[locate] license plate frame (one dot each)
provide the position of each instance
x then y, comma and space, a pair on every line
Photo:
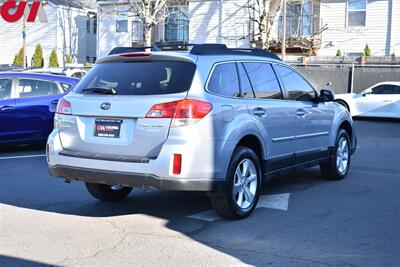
108, 128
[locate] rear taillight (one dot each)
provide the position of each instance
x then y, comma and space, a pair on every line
183, 112
177, 164
64, 107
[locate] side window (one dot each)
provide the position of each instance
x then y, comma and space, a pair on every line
396, 89
244, 82
224, 80
263, 80
383, 89
295, 85
65, 86
5, 88
33, 87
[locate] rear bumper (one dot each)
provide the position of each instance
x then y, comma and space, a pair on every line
134, 179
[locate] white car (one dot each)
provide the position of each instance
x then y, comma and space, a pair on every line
380, 100
69, 72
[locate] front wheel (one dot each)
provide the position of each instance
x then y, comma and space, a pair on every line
338, 166
240, 197
108, 192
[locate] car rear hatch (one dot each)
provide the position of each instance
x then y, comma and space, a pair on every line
110, 104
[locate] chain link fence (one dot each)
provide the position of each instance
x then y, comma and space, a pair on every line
347, 78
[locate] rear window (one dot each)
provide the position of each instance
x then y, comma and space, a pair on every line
140, 78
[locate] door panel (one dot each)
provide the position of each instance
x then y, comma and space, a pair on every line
35, 108
274, 116
7, 110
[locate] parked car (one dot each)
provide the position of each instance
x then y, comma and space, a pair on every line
213, 119
27, 105
69, 72
379, 100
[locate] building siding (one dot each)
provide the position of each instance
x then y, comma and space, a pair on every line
376, 33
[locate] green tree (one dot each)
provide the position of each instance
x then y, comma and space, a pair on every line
68, 59
367, 51
338, 53
53, 62
37, 59
19, 58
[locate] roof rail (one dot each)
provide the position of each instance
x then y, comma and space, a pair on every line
201, 49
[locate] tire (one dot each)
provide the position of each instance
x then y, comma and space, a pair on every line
338, 166
107, 192
239, 188
344, 104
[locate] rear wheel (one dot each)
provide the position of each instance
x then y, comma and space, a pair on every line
240, 196
108, 192
338, 166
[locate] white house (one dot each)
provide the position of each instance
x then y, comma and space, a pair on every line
70, 29
348, 25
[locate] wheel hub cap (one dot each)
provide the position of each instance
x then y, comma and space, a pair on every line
342, 155
245, 184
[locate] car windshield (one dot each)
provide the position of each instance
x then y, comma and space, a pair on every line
139, 78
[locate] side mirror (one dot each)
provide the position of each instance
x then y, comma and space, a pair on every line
326, 96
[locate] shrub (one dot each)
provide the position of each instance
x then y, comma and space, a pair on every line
338, 53
19, 58
367, 51
68, 59
53, 62
37, 59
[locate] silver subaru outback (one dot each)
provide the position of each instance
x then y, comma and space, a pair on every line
213, 119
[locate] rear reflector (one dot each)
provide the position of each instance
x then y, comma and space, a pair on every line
64, 107
177, 164
136, 54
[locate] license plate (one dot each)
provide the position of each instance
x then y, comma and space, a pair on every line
107, 128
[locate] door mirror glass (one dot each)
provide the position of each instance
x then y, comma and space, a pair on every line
326, 96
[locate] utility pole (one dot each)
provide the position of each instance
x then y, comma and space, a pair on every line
24, 40
283, 41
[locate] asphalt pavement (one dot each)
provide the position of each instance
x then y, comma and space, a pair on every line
302, 220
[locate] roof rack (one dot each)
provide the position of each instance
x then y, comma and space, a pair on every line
200, 50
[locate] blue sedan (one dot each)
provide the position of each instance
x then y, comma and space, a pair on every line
27, 105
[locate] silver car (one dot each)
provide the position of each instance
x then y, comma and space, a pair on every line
213, 119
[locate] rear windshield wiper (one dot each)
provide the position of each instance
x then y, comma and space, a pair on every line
101, 90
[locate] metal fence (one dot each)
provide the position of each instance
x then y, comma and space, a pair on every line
344, 78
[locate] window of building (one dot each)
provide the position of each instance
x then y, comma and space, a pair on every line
88, 24
177, 25
137, 31
356, 13
300, 19
94, 24
224, 80
121, 26
263, 80
295, 85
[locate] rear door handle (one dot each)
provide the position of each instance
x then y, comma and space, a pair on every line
301, 113
259, 112
54, 102
5, 108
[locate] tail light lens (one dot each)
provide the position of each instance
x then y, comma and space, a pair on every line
177, 164
64, 107
183, 112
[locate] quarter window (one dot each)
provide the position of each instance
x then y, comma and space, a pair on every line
356, 12
121, 26
5, 89
263, 80
32, 88
295, 85
244, 82
224, 80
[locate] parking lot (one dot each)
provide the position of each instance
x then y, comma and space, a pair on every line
302, 220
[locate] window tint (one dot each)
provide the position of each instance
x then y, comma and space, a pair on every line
385, 89
5, 89
32, 88
263, 80
224, 80
244, 82
295, 85
140, 78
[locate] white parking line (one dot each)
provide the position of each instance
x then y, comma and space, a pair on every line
276, 201
23, 157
